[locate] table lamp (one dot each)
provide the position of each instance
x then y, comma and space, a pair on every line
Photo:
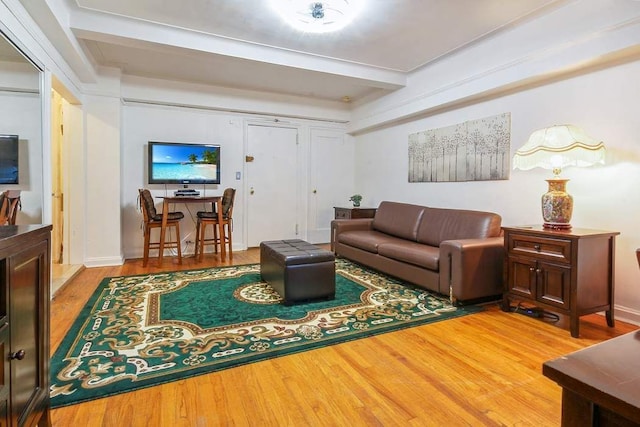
554, 148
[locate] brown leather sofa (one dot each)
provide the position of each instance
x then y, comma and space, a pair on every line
454, 252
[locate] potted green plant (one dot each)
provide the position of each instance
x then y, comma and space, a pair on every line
356, 198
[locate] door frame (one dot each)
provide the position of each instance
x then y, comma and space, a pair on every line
74, 180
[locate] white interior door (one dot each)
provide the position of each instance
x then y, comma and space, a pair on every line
331, 179
273, 183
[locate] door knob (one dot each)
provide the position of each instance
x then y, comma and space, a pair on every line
249, 159
251, 191
17, 355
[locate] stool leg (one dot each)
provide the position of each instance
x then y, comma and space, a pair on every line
195, 248
178, 242
216, 239
203, 228
228, 234
147, 237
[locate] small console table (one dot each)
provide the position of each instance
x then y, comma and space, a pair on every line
188, 199
600, 384
568, 271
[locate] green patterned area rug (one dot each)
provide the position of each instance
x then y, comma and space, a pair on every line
140, 331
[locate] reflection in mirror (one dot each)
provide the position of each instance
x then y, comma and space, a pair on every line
21, 115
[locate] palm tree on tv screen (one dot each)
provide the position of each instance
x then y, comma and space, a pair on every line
210, 156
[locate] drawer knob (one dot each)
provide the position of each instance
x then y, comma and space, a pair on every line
536, 247
17, 355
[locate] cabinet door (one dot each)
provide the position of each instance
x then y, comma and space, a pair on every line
28, 271
4, 374
522, 277
554, 284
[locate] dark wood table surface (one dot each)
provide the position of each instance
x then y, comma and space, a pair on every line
600, 384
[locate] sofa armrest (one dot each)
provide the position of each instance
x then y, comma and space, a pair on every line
471, 268
340, 225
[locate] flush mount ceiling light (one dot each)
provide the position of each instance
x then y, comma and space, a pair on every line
317, 16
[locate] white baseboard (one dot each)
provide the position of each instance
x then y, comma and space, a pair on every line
103, 261
186, 252
626, 314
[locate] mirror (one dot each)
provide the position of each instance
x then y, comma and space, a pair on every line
21, 115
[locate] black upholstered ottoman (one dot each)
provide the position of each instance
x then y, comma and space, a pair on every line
298, 270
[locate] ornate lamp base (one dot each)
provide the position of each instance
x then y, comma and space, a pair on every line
557, 205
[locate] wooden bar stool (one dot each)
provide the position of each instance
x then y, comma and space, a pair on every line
212, 218
152, 219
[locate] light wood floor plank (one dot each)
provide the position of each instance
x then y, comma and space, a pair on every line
481, 369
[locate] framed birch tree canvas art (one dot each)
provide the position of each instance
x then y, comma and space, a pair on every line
476, 150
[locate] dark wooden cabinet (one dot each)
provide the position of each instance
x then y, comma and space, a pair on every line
567, 271
353, 213
24, 325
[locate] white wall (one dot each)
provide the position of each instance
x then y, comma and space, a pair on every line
102, 203
143, 123
147, 122
604, 103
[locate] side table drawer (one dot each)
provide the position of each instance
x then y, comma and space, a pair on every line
343, 214
558, 250
354, 213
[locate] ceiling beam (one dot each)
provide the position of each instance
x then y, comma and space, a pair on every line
98, 26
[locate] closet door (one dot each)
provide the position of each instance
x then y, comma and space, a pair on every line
331, 179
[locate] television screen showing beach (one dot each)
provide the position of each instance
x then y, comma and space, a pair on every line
185, 162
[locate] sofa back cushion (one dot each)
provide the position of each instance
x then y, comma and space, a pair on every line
439, 225
398, 219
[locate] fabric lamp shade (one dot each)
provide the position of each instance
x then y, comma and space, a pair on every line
557, 147
554, 148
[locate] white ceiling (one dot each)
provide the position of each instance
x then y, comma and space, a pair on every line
9, 53
244, 44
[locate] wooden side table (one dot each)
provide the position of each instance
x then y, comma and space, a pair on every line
567, 271
600, 385
353, 213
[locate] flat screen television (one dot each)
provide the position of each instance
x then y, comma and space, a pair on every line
183, 163
9, 165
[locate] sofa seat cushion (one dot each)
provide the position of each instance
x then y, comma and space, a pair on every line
365, 239
412, 253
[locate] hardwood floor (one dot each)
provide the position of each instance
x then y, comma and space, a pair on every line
481, 369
